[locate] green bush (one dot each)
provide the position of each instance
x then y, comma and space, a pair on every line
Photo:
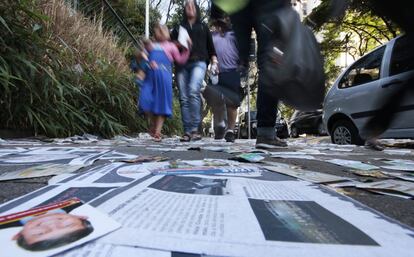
60, 75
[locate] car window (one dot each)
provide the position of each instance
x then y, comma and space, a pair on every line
402, 58
366, 69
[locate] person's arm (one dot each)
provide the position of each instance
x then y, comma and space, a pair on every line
212, 52
180, 58
210, 46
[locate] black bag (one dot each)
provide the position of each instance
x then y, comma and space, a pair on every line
293, 70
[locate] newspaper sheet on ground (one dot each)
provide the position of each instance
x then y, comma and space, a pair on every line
101, 174
390, 186
403, 165
398, 151
230, 216
353, 164
49, 169
248, 157
307, 175
57, 150
68, 158
50, 229
56, 193
403, 176
8, 151
96, 249
108, 250
370, 173
293, 156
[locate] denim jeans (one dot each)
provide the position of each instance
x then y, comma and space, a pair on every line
190, 79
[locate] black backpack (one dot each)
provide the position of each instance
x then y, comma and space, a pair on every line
299, 79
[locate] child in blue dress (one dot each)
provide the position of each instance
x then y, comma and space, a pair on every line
156, 93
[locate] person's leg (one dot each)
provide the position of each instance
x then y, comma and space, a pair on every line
266, 114
215, 100
183, 88
197, 73
242, 22
231, 117
151, 125
231, 122
159, 122
266, 104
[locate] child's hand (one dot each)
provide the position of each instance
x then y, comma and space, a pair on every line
144, 56
153, 65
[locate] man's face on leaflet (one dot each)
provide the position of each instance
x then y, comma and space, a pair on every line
50, 226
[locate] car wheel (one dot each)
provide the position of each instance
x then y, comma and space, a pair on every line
345, 133
294, 132
321, 129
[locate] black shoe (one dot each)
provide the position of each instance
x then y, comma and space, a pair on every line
219, 132
229, 136
269, 143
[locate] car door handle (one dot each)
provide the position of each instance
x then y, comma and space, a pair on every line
392, 82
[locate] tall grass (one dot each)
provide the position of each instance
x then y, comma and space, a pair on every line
60, 74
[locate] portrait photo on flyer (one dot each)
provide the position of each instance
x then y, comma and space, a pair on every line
51, 229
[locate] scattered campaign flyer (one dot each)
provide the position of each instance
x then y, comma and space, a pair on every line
205, 170
232, 216
390, 185
68, 158
145, 158
311, 176
403, 176
51, 229
96, 249
49, 169
353, 164
402, 165
249, 157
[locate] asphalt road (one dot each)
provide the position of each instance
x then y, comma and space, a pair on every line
397, 208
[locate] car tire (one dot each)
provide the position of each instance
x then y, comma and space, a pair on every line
344, 132
294, 132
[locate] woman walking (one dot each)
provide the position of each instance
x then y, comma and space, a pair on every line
225, 97
191, 75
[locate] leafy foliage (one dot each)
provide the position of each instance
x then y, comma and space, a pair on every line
357, 32
132, 13
61, 75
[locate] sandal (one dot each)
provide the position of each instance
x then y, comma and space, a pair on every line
186, 138
157, 138
195, 136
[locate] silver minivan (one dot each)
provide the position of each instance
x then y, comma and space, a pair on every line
358, 92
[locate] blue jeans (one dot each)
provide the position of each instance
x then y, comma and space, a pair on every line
190, 79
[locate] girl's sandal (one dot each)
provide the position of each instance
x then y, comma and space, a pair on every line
186, 138
157, 138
